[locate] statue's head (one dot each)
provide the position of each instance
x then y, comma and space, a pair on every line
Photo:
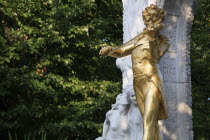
122, 99
152, 15
132, 97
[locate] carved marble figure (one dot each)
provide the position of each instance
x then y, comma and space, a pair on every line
146, 50
115, 125
134, 118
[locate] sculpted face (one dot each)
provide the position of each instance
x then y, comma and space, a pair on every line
121, 99
133, 97
152, 14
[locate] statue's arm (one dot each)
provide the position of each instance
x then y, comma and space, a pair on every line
105, 127
164, 45
158, 46
126, 49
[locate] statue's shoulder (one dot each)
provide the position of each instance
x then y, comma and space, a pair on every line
141, 37
109, 113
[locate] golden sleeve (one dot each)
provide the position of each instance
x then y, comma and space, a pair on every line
163, 45
124, 50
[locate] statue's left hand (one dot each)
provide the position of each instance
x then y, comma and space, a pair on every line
153, 31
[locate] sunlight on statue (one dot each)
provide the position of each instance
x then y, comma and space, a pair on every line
147, 49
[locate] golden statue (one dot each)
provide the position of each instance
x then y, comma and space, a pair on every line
147, 49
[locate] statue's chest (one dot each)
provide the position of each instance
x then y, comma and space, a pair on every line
142, 51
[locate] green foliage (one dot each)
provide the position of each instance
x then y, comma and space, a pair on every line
51, 77
30, 136
201, 70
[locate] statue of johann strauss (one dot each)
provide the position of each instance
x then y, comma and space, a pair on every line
147, 49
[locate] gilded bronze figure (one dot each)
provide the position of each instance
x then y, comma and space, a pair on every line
147, 49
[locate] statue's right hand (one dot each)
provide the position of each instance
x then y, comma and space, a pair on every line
105, 51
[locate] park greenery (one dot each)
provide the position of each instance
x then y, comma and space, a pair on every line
54, 85
200, 70
52, 78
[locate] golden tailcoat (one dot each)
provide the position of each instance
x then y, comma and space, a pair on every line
146, 53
